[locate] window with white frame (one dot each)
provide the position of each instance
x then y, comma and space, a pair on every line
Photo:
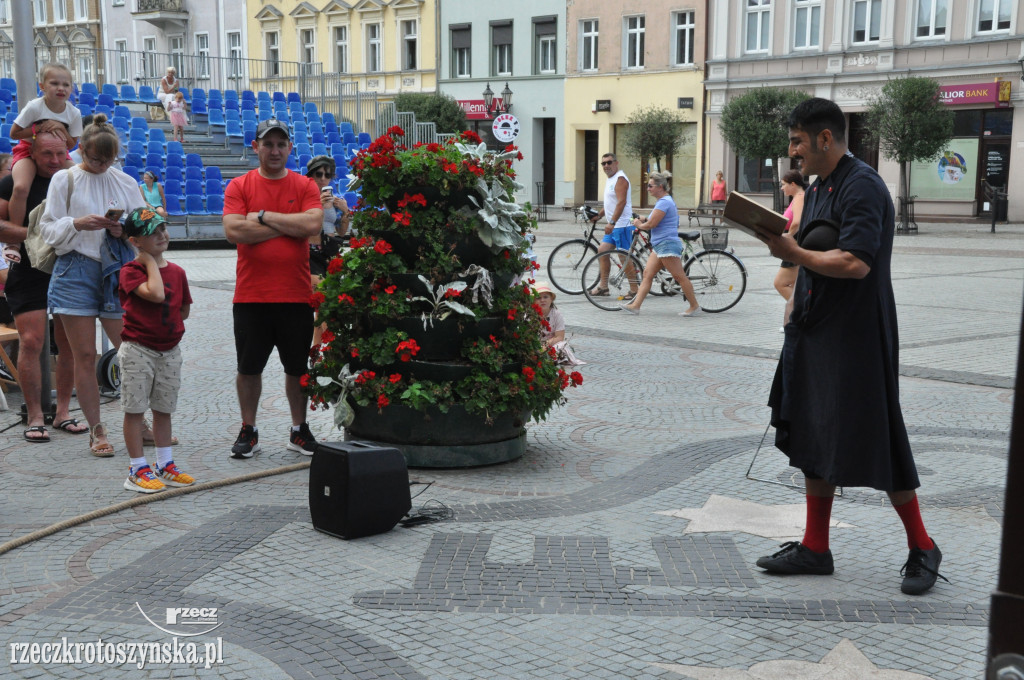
272, 52
176, 46
5, 15
121, 46
588, 44
81, 9
683, 28
636, 27
374, 49
867, 21
60, 11
341, 49
6, 67
931, 18
501, 48
39, 12
235, 53
410, 41
85, 69
202, 42
307, 46
545, 44
758, 25
149, 57
462, 43
807, 31
994, 15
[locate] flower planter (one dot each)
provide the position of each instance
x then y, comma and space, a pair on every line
409, 282
434, 439
443, 341
468, 248
457, 198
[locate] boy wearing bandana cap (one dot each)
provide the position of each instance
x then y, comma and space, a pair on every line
156, 300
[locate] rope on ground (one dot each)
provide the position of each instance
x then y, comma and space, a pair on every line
143, 500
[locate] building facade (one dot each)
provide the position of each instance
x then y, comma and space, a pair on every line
65, 31
621, 57
518, 50
845, 50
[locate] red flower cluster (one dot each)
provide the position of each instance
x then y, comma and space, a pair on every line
407, 349
470, 136
382, 401
452, 293
474, 168
382, 247
577, 378
390, 290
418, 199
317, 299
528, 373
396, 131
394, 377
358, 242
347, 299
327, 336
304, 380
335, 265
364, 376
511, 315
402, 218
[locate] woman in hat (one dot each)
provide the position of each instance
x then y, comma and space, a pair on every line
326, 244
555, 332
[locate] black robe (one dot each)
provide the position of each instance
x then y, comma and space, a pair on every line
835, 398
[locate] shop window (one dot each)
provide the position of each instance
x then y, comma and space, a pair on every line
998, 122
755, 175
966, 123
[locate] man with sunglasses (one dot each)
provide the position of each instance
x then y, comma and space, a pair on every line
618, 232
270, 213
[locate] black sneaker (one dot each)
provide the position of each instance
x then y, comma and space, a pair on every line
796, 558
302, 441
248, 442
921, 570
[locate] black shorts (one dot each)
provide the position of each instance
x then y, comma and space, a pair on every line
262, 326
26, 288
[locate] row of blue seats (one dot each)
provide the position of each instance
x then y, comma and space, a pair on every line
192, 204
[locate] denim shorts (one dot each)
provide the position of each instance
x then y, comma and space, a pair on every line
76, 288
670, 248
621, 237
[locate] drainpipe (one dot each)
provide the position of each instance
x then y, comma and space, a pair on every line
704, 107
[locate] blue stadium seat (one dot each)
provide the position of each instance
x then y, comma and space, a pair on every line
217, 119
231, 105
352, 199
172, 186
303, 161
122, 136
199, 107
173, 172
5, 145
230, 95
9, 84
300, 138
85, 109
157, 171
134, 159
303, 149
247, 106
233, 129
87, 88
262, 96
174, 146
157, 135
309, 107
328, 117
193, 173
291, 164
106, 100
132, 171
140, 122
264, 114
213, 186
121, 123
122, 111
319, 149
278, 97
215, 204
349, 138
248, 96
110, 89
300, 126
248, 115
248, 137
333, 138
138, 135
175, 160
147, 96
338, 150
128, 94
156, 148
193, 160
364, 138
345, 126
317, 138
213, 172
194, 186
194, 205
135, 146
173, 203
294, 97
86, 99
198, 94
155, 160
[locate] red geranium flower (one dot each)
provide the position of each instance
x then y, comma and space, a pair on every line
326, 337
452, 293
382, 247
511, 315
335, 265
470, 136
347, 299
576, 377
396, 131
316, 299
382, 401
407, 349
390, 290
304, 380
528, 373
395, 377
402, 218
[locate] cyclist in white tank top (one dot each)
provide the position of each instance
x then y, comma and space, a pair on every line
617, 213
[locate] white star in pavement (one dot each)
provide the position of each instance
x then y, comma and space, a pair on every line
731, 514
844, 662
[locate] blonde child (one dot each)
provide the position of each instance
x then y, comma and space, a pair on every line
178, 119
53, 112
156, 301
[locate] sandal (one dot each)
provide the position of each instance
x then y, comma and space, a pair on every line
599, 291
70, 423
105, 450
147, 435
37, 428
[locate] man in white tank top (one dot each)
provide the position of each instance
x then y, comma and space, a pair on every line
618, 214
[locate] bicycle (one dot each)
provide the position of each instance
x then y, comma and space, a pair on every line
718, 276
567, 259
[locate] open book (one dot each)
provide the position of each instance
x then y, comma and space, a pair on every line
751, 217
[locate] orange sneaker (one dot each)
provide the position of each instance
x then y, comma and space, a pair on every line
172, 476
143, 481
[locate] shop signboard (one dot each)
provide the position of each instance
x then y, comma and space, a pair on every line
951, 176
474, 108
995, 93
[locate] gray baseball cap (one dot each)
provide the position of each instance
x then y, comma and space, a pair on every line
269, 124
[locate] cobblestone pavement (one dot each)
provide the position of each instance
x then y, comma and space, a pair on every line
620, 546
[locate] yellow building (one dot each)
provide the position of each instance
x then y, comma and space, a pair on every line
383, 46
618, 61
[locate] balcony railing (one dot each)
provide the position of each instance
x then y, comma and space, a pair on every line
161, 6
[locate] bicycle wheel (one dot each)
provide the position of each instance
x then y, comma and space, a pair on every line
624, 274
565, 265
719, 279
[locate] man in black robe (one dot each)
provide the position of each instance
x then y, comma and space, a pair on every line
835, 398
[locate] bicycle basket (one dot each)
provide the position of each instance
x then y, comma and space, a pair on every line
714, 238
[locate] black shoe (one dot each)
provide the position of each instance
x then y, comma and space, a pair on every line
796, 558
248, 442
921, 570
302, 441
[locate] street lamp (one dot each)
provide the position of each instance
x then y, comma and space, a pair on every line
502, 105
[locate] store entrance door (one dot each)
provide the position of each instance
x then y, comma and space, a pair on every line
590, 166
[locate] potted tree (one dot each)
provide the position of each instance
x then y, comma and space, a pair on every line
433, 342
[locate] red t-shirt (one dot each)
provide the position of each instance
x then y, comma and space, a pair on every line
276, 270
155, 325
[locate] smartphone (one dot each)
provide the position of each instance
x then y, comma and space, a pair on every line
114, 214
327, 190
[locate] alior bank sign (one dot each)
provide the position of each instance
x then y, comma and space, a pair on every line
996, 93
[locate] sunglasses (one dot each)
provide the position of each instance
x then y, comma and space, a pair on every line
606, 162
320, 175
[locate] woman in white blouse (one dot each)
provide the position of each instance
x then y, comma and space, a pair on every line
85, 233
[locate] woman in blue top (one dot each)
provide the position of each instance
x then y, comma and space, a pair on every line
153, 194
663, 223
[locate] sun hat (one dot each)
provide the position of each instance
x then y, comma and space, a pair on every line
142, 222
820, 234
539, 288
320, 162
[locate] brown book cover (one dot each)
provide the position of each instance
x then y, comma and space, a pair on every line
746, 214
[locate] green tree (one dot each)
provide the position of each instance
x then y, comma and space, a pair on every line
754, 125
653, 132
440, 109
910, 123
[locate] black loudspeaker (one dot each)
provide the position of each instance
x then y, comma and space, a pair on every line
357, 489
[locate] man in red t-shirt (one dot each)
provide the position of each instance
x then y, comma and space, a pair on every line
270, 213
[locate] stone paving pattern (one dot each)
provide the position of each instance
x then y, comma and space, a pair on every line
556, 565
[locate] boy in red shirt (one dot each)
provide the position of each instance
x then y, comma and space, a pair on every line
156, 300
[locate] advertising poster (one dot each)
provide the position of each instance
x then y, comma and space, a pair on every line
951, 176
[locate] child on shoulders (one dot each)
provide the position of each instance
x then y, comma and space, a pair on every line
156, 300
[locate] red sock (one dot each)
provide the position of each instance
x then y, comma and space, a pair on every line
819, 513
917, 537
